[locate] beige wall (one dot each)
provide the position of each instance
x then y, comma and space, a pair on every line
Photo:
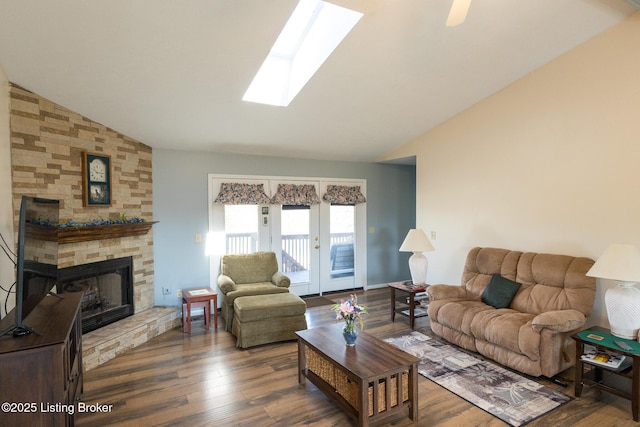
7, 272
549, 164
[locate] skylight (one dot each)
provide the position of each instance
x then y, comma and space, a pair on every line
313, 31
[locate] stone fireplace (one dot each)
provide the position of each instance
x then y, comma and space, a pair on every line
107, 287
47, 142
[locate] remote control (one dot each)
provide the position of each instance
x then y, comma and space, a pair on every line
623, 345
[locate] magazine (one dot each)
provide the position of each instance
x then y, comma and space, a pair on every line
416, 311
606, 359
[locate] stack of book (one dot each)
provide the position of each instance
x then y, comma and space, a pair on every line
421, 298
418, 311
613, 361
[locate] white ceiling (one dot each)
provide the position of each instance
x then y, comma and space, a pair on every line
171, 74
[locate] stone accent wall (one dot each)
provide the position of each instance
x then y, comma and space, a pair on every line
46, 145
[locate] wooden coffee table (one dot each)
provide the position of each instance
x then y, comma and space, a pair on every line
370, 381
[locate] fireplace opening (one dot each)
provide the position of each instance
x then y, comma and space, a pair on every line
107, 287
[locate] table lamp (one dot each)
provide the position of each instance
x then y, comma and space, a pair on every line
621, 263
417, 242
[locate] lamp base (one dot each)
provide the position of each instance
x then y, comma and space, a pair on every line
623, 310
418, 266
627, 334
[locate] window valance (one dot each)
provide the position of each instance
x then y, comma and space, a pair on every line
296, 195
343, 195
242, 194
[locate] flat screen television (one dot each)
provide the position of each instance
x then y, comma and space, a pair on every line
36, 258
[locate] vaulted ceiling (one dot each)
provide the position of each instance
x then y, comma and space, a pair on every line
172, 73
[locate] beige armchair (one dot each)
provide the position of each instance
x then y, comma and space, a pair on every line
248, 275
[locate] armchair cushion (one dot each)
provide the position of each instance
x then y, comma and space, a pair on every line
500, 291
250, 268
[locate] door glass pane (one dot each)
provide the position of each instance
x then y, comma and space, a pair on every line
241, 228
295, 243
341, 226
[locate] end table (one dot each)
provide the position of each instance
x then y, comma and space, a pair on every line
199, 298
411, 292
595, 377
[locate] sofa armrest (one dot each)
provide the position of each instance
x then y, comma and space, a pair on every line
226, 284
559, 321
281, 280
438, 292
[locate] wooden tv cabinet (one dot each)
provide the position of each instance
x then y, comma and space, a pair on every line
42, 375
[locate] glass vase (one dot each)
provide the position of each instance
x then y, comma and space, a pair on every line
350, 334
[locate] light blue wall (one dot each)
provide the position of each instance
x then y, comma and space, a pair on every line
180, 206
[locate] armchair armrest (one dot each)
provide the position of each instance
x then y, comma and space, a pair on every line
559, 321
281, 280
226, 284
438, 292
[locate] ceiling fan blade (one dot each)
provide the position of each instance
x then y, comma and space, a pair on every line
458, 12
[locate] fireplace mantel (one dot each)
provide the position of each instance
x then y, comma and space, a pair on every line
89, 233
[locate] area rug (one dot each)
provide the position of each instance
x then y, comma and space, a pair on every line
502, 393
317, 301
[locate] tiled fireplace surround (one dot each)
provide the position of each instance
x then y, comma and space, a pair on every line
46, 145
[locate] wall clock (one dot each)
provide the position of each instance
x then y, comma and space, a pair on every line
96, 179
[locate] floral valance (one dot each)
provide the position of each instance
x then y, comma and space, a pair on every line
296, 195
343, 195
242, 194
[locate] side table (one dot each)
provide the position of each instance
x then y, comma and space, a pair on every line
410, 290
595, 377
199, 298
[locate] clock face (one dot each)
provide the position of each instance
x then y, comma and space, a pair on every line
96, 179
97, 171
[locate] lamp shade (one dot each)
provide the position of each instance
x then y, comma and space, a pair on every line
416, 241
619, 262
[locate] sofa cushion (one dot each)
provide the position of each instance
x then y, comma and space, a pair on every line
500, 291
554, 282
483, 263
456, 314
509, 329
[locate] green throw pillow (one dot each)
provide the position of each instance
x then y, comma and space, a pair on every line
500, 291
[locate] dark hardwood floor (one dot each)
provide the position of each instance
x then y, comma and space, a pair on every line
202, 379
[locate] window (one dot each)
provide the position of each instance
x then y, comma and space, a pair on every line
241, 228
311, 34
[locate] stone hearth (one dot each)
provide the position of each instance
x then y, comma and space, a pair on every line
104, 344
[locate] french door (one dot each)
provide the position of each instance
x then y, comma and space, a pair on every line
322, 247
